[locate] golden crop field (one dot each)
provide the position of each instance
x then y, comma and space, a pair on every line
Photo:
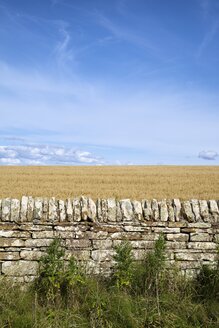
135, 182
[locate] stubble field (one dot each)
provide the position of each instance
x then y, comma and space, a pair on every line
135, 182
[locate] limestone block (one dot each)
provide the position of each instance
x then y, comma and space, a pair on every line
102, 255
118, 212
126, 208
33, 255
62, 212
187, 211
69, 210
147, 210
19, 268
142, 244
171, 214
102, 244
196, 209
173, 245
99, 210
80, 255
160, 230
76, 210
30, 208
202, 245
137, 210
177, 209
38, 208
9, 256
37, 242
112, 211
188, 256
6, 209
155, 210
177, 236
199, 225
97, 234
104, 210
214, 210
92, 211
45, 209
43, 234
53, 214
14, 234
23, 211
11, 242
200, 237
204, 210
135, 228
67, 234
163, 210
84, 208
78, 243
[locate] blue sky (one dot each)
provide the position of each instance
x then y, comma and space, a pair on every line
109, 82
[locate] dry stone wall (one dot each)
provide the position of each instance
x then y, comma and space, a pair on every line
90, 230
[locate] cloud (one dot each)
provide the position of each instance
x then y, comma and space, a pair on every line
208, 155
45, 155
208, 38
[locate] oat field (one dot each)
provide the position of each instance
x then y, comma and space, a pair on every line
135, 182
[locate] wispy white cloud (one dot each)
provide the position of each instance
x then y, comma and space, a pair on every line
208, 155
45, 155
208, 38
63, 50
122, 33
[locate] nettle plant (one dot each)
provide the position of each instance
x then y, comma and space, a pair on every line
57, 276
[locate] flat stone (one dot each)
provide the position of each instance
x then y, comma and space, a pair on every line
92, 211
137, 210
102, 244
69, 210
112, 211
155, 210
127, 211
11, 242
187, 211
214, 210
9, 256
177, 236
43, 234
99, 210
19, 268
171, 214
38, 208
31, 255
14, 234
202, 245
23, 211
78, 243
76, 209
6, 209
38, 242
204, 210
62, 211
177, 209
196, 209
102, 255
53, 214
147, 210
104, 210
84, 208
30, 209
200, 237
45, 210
118, 212
163, 211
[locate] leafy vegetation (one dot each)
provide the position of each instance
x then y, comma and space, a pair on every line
144, 295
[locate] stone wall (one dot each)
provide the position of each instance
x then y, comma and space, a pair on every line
90, 231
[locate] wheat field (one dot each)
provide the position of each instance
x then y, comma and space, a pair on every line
135, 182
